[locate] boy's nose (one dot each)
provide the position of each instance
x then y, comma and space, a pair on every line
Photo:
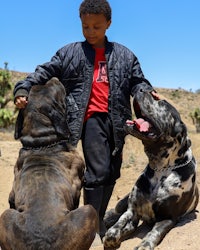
90, 31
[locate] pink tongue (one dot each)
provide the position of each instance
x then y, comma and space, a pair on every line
142, 125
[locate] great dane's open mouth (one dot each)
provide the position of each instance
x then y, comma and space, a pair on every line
145, 125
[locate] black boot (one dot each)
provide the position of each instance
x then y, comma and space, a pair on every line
107, 193
93, 196
99, 198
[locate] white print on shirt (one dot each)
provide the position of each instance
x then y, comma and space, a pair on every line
102, 72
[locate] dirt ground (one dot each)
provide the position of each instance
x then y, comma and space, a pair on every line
185, 236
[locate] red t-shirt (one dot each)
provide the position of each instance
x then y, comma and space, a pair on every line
98, 101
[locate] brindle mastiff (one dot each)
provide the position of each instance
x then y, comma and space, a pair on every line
48, 178
167, 188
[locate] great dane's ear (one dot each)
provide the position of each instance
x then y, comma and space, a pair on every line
179, 129
19, 124
182, 138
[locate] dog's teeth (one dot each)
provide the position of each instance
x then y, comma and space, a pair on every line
130, 122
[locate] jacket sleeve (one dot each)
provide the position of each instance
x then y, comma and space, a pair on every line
42, 74
138, 80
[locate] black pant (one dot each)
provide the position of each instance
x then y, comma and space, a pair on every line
98, 144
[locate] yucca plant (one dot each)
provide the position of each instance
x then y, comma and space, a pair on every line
195, 115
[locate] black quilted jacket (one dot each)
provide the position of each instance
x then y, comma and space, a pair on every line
73, 66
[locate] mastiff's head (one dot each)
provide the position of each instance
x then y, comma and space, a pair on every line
43, 122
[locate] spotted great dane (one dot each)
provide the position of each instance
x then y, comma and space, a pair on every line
44, 202
167, 189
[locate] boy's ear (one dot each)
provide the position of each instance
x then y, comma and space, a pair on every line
109, 23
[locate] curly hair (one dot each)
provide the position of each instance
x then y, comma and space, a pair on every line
95, 7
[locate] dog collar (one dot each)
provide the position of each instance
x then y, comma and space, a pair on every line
190, 158
62, 142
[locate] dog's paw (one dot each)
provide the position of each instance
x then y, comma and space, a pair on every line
110, 218
111, 239
144, 246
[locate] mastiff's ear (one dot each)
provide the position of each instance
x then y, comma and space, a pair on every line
19, 124
60, 124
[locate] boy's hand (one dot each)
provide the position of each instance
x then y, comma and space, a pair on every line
155, 95
21, 102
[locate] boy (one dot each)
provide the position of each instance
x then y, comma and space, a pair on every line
99, 77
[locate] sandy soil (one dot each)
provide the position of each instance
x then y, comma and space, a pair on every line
185, 236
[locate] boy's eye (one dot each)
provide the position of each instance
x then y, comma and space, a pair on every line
95, 27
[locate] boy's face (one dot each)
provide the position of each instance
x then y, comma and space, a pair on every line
94, 27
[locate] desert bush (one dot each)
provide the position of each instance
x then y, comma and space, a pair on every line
5, 87
195, 115
6, 118
6, 114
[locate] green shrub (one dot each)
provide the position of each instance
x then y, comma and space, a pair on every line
7, 117
5, 85
195, 115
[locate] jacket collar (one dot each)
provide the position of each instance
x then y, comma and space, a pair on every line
108, 45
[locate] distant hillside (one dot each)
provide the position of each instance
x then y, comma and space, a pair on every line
184, 101
16, 76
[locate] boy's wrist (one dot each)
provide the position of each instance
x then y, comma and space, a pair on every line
21, 92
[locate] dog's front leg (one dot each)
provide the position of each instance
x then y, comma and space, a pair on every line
126, 225
155, 236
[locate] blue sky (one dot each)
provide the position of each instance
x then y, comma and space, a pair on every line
163, 34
